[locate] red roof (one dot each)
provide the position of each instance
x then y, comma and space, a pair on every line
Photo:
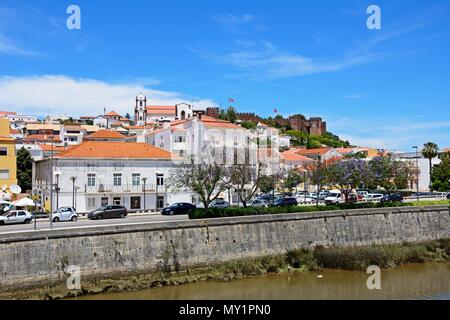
112, 114
7, 113
43, 137
162, 110
213, 122
106, 134
320, 151
115, 150
293, 155
48, 147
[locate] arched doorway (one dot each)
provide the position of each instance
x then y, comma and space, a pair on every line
183, 115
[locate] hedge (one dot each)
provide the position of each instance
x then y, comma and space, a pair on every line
250, 211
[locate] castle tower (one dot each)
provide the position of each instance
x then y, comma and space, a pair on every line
140, 111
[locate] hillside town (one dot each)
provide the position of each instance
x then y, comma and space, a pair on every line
114, 159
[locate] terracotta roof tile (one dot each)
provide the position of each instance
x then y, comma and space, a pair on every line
112, 114
106, 134
320, 151
115, 150
292, 155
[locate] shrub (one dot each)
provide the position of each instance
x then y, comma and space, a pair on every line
236, 211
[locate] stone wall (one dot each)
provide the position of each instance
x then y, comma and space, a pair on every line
36, 258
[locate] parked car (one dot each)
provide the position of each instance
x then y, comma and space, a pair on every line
333, 197
448, 196
40, 215
374, 196
108, 212
15, 216
64, 214
353, 198
258, 203
178, 208
219, 204
395, 197
285, 202
301, 199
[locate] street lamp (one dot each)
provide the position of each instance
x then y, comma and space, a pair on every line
57, 174
417, 171
144, 180
73, 190
51, 184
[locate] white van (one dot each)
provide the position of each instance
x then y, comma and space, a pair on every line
334, 197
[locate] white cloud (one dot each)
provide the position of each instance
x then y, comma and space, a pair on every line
76, 97
265, 61
7, 46
239, 23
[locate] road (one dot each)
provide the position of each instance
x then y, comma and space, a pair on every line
44, 224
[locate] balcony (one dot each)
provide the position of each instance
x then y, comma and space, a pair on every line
124, 188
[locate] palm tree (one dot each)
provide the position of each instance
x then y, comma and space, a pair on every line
430, 150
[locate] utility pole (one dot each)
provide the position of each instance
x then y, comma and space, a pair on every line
73, 190
144, 180
319, 165
51, 185
417, 170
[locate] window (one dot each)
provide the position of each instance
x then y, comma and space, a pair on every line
135, 202
117, 179
136, 179
159, 179
4, 174
91, 179
91, 202
21, 214
104, 201
117, 201
3, 151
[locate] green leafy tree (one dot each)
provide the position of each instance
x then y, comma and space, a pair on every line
430, 150
248, 125
440, 175
24, 169
390, 174
291, 179
267, 184
204, 178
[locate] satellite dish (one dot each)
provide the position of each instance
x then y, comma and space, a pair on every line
4, 187
15, 189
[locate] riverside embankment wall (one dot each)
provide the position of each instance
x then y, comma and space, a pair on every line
37, 258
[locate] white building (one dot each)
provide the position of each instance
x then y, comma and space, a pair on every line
72, 135
93, 174
424, 169
144, 114
216, 140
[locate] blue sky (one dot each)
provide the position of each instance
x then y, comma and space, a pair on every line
382, 88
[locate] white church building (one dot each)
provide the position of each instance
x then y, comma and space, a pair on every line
144, 114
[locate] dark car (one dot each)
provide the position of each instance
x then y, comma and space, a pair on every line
285, 202
40, 215
108, 212
352, 198
396, 197
448, 196
178, 208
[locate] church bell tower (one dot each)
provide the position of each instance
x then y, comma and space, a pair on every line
140, 111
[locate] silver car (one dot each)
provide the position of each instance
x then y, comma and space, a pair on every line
219, 204
15, 216
258, 203
64, 214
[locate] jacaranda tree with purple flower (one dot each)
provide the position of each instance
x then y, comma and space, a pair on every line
347, 175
